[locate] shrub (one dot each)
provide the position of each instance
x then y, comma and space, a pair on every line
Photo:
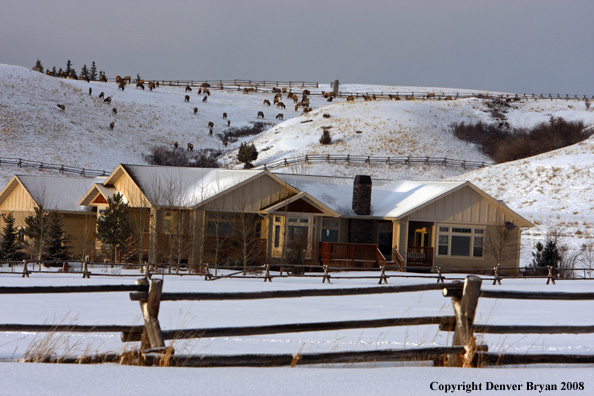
204, 158
504, 145
247, 154
326, 138
231, 135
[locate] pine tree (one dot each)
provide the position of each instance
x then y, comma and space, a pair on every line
247, 154
93, 72
57, 240
69, 67
10, 247
84, 72
36, 229
547, 255
38, 66
54, 71
114, 226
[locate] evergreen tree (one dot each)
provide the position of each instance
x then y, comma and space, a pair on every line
57, 240
84, 72
547, 255
36, 229
93, 72
247, 154
54, 71
69, 68
38, 66
10, 247
114, 226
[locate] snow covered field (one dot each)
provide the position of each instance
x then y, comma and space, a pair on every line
374, 379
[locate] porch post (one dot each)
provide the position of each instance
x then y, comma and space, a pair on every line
155, 225
197, 256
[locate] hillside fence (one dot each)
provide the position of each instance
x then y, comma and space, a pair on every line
463, 350
267, 87
43, 166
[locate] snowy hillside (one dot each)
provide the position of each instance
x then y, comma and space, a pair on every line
553, 190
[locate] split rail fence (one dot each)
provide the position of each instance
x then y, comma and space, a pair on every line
463, 351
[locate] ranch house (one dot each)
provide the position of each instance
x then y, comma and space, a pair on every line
198, 215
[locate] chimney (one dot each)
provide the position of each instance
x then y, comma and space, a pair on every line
362, 195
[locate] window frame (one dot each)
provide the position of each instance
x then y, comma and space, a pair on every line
475, 233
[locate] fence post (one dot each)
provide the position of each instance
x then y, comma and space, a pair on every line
207, 275
151, 334
25, 270
383, 277
86, 268
440, 277
551, 276
267, 277
464, 310
496, 277
326, 275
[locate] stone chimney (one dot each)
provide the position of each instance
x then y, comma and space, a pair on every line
362, 195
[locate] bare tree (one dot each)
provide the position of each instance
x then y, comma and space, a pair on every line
501, 241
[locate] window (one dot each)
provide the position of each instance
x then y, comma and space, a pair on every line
219, 224
330, 230
460, 242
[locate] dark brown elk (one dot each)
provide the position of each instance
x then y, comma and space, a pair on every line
275, 89
228, 122
431, 96
307, 109
151, 85
204, 99
280, 105
367, 98
101, 95
266, 102
448, 98
122, 85
107, 100
205, 85
211, 124
111, 125
248, 90
261, 114
175, 145
187, 98
306, 92
206, 92
102, 78
224, 116
190, 147
62, 107
90, 90
140, 85
114, 111
128, 78
279, 116
195, 110
210, 132
188, 88
395, 97
118, 79
350, 98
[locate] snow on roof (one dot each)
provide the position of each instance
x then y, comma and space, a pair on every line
186, 187
58, 192
389, 199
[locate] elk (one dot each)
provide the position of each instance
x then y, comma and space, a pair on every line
140, 85
107, 100
431, 95
187, 98
204, 99
210, 132
188, 88
228, 122
395, 97
248, 90
128, 78
205, 85
206, 92
279, 116
448, 98
62, 107
350, 98
190, 147
90, 90
211, 124
175, 145
111, 125
114, 111
266, 102
101, 95
280, 105
195, 110
367, 98
307, 109
261, 114
224, 116
122, 85
151, 85
102, 78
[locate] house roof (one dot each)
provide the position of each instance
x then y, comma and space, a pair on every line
52, 192
389, 199
98, 189
183, 187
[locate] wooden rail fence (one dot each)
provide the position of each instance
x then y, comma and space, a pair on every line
41, 166
463, 351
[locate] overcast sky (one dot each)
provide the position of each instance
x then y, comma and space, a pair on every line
529, 46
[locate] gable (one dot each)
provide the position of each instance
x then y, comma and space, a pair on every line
466, 205
18, 198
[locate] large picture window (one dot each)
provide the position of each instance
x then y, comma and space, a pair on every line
460, 241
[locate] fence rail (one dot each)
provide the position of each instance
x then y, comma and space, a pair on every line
371, 160
41, 166
464, 297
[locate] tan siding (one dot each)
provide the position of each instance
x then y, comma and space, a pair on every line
19, 199
81, 229
130, 190
250, 197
